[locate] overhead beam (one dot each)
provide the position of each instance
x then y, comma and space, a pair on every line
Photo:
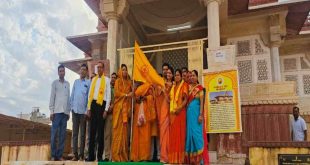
188, 34
137, 2
250, 15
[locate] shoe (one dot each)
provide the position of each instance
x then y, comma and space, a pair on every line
106, 160
53, 159
81, 159
89, 160
100, 160
61, 159
155, 160
74, 159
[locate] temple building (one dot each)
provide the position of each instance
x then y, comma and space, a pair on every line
271, 43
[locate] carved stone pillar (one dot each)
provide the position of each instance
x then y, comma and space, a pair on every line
113, 11
275, 42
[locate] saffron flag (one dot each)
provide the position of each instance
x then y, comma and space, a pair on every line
143, 71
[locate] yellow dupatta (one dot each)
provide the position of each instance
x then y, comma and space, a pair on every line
174, 98
100, 93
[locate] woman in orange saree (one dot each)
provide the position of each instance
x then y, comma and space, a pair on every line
178, 100
144, 115
121, 115
163, 118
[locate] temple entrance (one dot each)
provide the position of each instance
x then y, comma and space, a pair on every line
188, 54
176, 58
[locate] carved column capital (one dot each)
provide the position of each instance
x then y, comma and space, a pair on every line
276, 43
111, 16
114, 9
206, 2
277, 30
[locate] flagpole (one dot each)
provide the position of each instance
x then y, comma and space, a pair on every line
132, 101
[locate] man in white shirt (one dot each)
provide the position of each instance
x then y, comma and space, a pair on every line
99, 99
299, 127
59, 113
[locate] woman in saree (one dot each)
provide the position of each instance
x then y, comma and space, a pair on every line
144, 115
194, 118
121, 115
164, 118
178, 100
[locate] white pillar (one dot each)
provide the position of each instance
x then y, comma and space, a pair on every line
213, 24
112, 43
275, 63
213, 43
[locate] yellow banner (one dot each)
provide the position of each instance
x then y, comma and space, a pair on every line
222, 102
143, 71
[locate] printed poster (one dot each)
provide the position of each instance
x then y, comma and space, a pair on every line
222, 102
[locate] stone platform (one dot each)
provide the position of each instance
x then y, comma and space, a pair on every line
78, 163
84, 163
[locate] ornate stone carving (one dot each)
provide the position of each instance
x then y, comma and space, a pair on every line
244, 48
262, 70
306, 82
114, 9
252, 49
303, 63
307, 56
258, 48
245, 71
290, 64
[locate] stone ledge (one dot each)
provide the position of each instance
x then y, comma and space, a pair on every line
24, 143
263, 102
278, 144
268, 93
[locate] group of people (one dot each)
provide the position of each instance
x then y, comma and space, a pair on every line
135, 121
130, 121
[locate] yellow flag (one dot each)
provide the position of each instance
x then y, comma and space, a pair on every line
143, 71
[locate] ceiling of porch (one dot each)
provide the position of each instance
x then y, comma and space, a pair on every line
168, 20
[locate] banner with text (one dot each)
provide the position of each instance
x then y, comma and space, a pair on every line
222, 102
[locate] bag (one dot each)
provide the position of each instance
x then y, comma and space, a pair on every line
141, 116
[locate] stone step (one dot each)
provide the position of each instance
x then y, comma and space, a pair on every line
212, 156
77, 163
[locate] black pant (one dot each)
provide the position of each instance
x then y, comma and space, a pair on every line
78, 127
96, 127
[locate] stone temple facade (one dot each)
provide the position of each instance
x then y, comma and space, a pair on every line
271, 43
